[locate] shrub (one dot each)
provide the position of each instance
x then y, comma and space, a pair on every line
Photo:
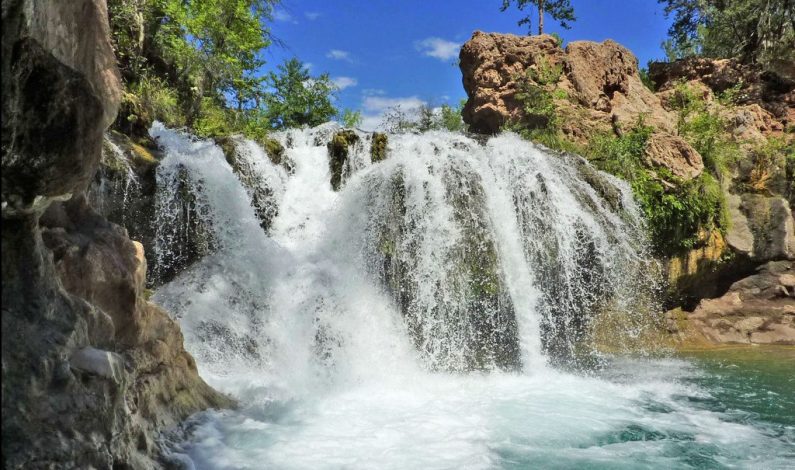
770, 161
676, 213
676, 216
159, 100
705, 130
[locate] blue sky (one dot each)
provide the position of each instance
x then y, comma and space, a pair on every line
383, 53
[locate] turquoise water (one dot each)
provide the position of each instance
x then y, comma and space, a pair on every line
710, 410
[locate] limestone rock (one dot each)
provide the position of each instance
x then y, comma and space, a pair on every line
762, 227
773, 91
95, 361
674, 154
759, 309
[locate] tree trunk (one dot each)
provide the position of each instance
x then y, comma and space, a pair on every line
540, 17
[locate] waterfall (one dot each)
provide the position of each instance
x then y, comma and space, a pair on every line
450, 255
443, 307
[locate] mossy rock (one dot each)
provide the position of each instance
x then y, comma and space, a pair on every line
227, 146
142, 156
274, 150
378, 147
338, 149
133, 119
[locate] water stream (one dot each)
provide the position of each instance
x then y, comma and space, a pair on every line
438, 311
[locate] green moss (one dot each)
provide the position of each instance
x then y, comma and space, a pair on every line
378, 147
228, 147
338, 149
274, 149
142, 155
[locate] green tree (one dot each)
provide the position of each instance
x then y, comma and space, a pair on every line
295, 99
749, 30
451, 118
201, 48
351, 118
559, 10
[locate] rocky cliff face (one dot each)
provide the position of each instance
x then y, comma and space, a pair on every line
91, 370
597, 89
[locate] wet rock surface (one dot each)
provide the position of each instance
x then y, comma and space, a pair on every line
92, 372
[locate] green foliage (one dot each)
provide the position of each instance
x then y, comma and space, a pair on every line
558, 39
451, 118
732, 95
536, 93
621, 156
351, 118
750, 30
214, 120
428, 118
296, 99
676, 211
644, 77
677, 216
559, 10
704, 129
159, 101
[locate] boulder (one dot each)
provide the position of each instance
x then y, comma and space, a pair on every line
773, 89
762, 227
759, 309
674, 154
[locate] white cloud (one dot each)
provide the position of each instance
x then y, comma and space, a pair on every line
373, 91
338, 54
383, 103
344, 82
438, 48
312, 15
283, 16
375, 107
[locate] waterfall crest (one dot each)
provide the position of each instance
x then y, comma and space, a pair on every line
449, 255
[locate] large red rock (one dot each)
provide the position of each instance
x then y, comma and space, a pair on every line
600, 81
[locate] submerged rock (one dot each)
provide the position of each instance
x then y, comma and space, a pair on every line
474, 304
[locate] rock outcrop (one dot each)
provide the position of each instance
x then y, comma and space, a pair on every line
91, 371
770, 95
600, 82
759, 309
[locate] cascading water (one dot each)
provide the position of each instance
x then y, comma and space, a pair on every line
116, 181
409, 319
